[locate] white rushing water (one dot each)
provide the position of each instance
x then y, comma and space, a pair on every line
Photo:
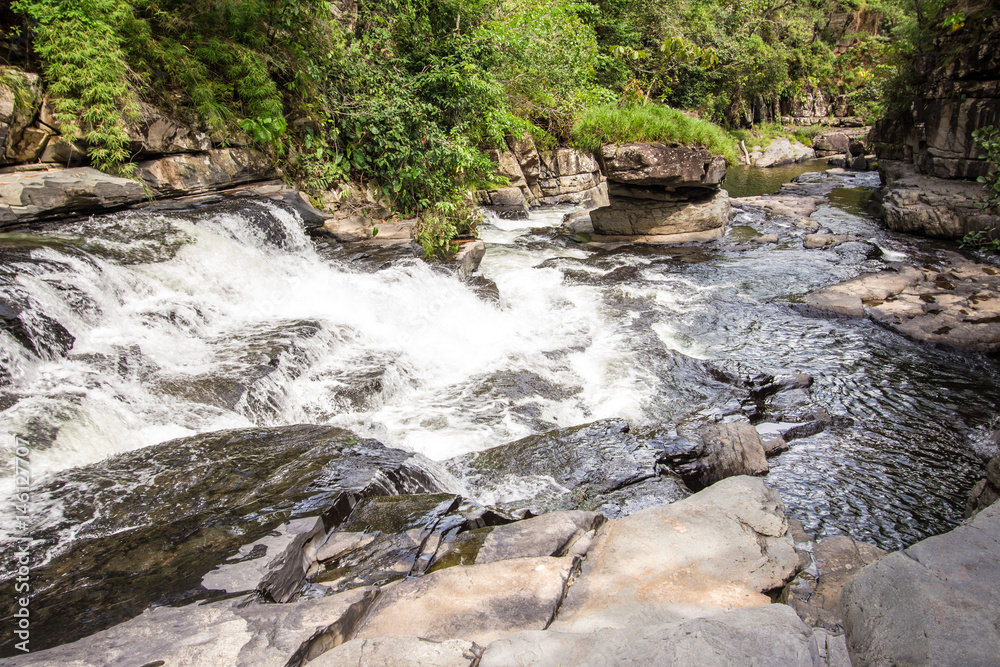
247, 310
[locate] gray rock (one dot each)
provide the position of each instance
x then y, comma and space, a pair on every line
832, 142
468, 257
40, 195
765, 239
724, 450
931, 604
179, 175
18, 108
479, 603
220, 633
782, 151
663, 166
650, 218
766, 635
551, 534
66, 152
717, 550
400, 652
155, 133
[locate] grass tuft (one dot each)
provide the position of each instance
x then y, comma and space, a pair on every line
610, 124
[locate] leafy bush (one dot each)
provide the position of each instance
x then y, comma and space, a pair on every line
988, 139
648, 123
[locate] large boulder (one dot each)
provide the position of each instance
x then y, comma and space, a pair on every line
829, 143
663, 166
719, 451
781, 151
987, 490
931, 604
653, 220
720, 549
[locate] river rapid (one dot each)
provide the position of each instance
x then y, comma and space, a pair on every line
131, 329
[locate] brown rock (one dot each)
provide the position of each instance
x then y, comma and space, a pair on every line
633, 217
193, 174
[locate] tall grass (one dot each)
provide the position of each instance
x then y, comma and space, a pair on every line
610, 124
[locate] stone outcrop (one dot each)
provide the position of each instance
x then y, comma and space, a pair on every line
543, 178
661, 194
933, 603
686, 582
196, 173
719, 451
915, 203
20, 98
29, 196
958, 92
955, 305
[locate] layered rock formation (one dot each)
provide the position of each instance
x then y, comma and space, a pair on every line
661, 194
663, 585
959, 92
547, 177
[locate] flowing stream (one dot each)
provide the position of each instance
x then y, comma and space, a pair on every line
130, 329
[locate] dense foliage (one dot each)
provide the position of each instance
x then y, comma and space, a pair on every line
410, 93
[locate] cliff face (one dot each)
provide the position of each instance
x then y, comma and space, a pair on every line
958, 93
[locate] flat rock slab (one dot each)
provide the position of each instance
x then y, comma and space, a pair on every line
715, 551
212, 634
479, 603
400, 652
767, 635
40, 195
956, 304
934, 603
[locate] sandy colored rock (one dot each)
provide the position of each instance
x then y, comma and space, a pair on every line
714, 551
633, 217
479, 603
766, 635
177, 175
400, 652
662, 165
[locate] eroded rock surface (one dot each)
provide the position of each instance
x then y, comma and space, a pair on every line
931, 604
956, 304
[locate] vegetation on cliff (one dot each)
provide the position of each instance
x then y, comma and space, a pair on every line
410, 93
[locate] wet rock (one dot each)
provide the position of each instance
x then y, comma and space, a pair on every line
478, 603
987, 490
765, 239
178, 175
41, 195
383, 540
722, 450
148, 523
931, 604
401, 652
715, 551
815, 241
768, 635
814, 593
856, 162
35, 331
795, 207
220, 633
574, 468
956, 304
468, 257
